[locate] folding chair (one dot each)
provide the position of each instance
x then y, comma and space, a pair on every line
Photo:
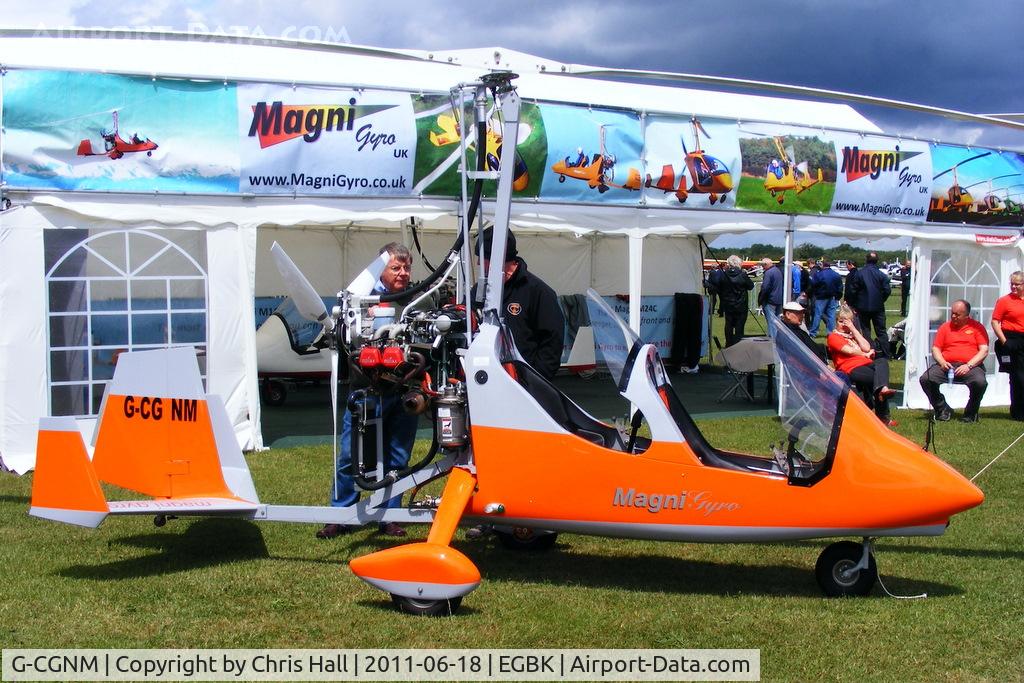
740, 377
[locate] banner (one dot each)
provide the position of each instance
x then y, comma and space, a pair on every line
786, 169
881, 178
84, 131
695, 162
978, 186
325, 141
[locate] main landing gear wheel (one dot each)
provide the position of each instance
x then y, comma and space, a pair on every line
525, 538
836, 573
427, 608
274, 392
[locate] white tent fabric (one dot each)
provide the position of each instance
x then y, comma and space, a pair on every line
230, 359
946, 270
22, 337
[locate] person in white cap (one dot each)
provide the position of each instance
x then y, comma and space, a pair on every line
793, 318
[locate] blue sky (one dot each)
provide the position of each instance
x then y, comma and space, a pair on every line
955, 55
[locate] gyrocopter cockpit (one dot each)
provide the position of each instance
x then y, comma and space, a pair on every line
811, 399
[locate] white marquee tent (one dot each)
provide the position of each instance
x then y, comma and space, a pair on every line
614, 249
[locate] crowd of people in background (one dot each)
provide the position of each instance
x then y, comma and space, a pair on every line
853, 313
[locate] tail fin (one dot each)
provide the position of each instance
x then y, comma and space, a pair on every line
65, 487
160, 434
85, 148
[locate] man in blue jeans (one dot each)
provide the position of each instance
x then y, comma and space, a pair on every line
828, 289
398, 426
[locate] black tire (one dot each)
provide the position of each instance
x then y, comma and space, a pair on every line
561, 178
426, 608
837, 559
274, 392
602, 188
525, 538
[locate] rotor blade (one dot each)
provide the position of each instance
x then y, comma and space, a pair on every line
700, 127
307, 301
961, 163
367, 280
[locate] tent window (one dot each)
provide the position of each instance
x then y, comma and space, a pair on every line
969, 273
113, 291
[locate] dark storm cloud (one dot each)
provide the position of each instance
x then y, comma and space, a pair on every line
955, 55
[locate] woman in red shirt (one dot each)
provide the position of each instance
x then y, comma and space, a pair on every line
1008, 324
854, 356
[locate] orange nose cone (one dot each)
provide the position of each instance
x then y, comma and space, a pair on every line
428, 571
896, 483
961, 493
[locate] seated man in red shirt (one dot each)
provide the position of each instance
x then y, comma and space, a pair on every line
961, 344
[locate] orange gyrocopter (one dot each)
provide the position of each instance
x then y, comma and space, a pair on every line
708, 174
114, 146
957, 197
597, 170
512, 449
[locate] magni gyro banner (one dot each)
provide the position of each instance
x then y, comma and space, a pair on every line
110, 133
879, 177
325, 141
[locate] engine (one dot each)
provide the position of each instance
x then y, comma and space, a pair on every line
415, 356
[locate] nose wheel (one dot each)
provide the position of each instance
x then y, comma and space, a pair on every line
846, 569
427, 608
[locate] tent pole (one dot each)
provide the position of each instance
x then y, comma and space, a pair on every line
636, 260
787, 270
787, 280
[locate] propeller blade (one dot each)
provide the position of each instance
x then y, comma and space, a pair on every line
367, 280
307, 301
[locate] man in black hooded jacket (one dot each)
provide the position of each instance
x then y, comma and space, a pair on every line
530, 309
733, 287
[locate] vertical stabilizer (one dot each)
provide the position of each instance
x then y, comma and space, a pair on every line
65, 487
156, 434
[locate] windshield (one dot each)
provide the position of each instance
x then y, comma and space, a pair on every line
613, 340
303, 332
810, 395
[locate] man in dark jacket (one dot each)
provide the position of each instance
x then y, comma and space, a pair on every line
851, 272
772, 289
530, 309
866, 295
713, 285
828, 289
905, 273
733, 286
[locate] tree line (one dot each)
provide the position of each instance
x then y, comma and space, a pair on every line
805, 251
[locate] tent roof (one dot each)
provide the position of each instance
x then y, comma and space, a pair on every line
235, 58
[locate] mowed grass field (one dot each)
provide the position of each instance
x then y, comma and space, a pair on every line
228, 583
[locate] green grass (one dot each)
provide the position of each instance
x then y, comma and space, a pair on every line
229, 583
